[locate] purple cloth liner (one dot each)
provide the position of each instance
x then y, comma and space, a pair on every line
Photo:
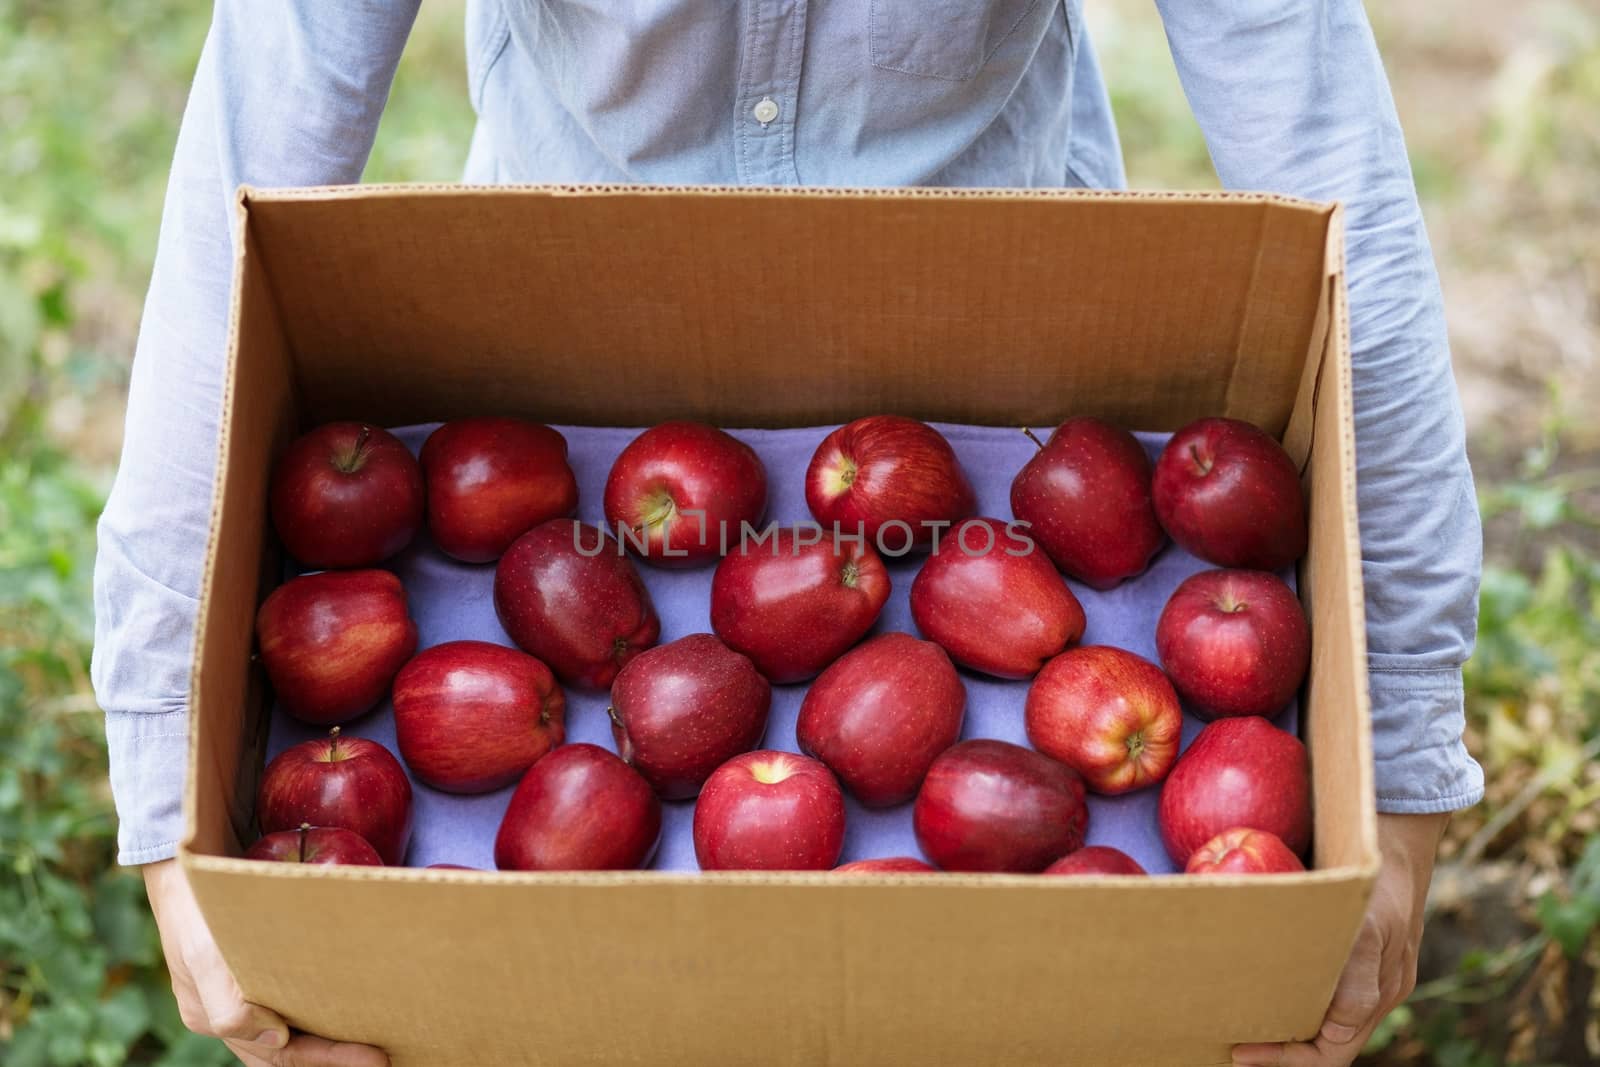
454, 601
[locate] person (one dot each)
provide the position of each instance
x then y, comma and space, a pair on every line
1292, 98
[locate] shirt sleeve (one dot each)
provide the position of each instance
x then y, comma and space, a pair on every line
285, 94
1292, 98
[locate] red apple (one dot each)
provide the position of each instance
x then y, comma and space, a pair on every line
566, 594
490, 480
680, 491
994, 601
769, 811
579, 809
471, 717
792, 605
891, 865
888, 469
348, 782
332, 642
1096, 859
1234, 643
1109, 715
994, 806
881, 713
1238, 772
315, 844
1231, 495
1086, 499
1242, 850
346, 495
680, 711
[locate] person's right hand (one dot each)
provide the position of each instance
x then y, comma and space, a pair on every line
209, 1000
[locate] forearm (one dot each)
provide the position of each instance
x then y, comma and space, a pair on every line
1293, 99
285, 94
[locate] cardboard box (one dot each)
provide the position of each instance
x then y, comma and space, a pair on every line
625, 306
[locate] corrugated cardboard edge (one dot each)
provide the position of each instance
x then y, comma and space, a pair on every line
1336, 254
248, 194
1344, 397
191, 799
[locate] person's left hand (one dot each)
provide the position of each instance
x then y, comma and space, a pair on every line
1382, 969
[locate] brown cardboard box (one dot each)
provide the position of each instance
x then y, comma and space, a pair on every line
625, 306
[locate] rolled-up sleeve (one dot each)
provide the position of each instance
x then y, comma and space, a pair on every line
1292, 98
285, 94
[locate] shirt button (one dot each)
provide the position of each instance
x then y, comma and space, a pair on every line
765, 111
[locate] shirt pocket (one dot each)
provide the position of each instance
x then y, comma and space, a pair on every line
946, 39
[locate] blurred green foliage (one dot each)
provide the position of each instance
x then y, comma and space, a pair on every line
90, 97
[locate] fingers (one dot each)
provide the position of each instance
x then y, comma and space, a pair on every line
228, 1015
1358, 997
304, 1050
1321, 1053
1355, 1010
209, 1000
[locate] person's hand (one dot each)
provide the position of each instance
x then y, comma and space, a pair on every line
210, 1002
1382, 969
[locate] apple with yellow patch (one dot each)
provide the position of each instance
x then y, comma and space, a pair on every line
769, 811
1108, 714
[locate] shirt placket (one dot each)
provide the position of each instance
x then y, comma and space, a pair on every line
772, 46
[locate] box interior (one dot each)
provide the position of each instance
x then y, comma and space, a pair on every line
767, 308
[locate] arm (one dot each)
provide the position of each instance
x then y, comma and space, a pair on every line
1292, 98
285, 94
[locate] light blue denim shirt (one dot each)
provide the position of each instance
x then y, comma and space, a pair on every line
1290, 93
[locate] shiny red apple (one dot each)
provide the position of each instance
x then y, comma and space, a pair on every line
1237, 772
567, 596
1086, 499
579, 809
681, 710
680, 492
888, 470
490, 480
794, 605
881, 713
1230, 494
348, 782
315, 844
994, 600
471, 716
331, 642
1108, 714
1242, 850
346, 495
993, 806
1096, 859
769, 811
891, 865
1234, 643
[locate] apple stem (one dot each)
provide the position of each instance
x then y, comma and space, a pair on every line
357, 454
1030, 436
611, 713
305, 828
662, 511
333, 744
